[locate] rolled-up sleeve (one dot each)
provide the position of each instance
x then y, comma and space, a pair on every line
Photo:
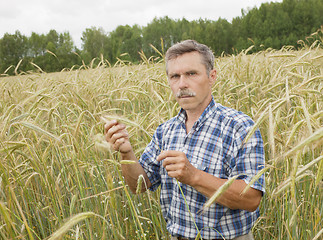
249, 159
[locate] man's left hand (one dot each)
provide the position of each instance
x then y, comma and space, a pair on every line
178, 166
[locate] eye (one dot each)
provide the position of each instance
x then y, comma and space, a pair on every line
191, 73
174, 76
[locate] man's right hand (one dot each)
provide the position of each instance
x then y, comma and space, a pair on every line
118, 137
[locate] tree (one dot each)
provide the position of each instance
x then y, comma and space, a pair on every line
219, 36
53, 51
159, 28
37, 45
65, 44
125, 39
52, 40
13, 48
94, 42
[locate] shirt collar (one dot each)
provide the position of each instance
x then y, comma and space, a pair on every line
208, 111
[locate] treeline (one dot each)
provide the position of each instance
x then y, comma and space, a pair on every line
272, 25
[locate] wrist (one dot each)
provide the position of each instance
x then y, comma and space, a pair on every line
196, 176
126, 155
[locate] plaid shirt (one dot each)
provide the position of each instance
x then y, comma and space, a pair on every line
213, 145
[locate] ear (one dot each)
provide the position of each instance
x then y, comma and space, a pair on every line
212, 77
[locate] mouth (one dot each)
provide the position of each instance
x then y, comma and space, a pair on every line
185, 96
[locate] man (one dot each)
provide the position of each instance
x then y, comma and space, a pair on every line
194, 154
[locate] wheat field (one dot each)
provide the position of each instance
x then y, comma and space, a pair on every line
60, 180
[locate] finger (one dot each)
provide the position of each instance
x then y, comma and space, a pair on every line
170, 167
114, 129
177, 174
120, 135
173, 163
118, 143
169, 153
109, 125
169, 160
173, 174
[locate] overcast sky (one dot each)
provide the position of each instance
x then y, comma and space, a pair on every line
75, 16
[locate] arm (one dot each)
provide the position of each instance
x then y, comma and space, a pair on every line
178, 166
118, 137
207, 184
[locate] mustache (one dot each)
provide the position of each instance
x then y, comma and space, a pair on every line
185, 92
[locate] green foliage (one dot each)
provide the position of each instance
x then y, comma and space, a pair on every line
13, 47
94, 43
37, 45
125, 40
272, 25
279, 24
51, 52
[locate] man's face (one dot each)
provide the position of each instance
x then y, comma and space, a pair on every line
190, 83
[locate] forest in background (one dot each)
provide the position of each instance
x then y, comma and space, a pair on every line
272, 25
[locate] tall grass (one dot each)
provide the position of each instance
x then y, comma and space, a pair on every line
59, 180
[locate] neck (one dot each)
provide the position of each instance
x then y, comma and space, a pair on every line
190, 120
192, 115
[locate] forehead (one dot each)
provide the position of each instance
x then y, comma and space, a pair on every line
185, 62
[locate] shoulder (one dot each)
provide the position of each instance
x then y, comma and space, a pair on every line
236, 120
236, 125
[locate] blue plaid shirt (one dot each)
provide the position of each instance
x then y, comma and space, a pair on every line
214, 145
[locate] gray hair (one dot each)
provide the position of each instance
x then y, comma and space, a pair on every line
188, 46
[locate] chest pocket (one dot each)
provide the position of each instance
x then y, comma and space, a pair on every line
197, 162
215, 165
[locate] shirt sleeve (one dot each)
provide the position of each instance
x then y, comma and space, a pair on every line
249, 158
148, 159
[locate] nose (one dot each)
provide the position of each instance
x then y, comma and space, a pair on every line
182, 84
